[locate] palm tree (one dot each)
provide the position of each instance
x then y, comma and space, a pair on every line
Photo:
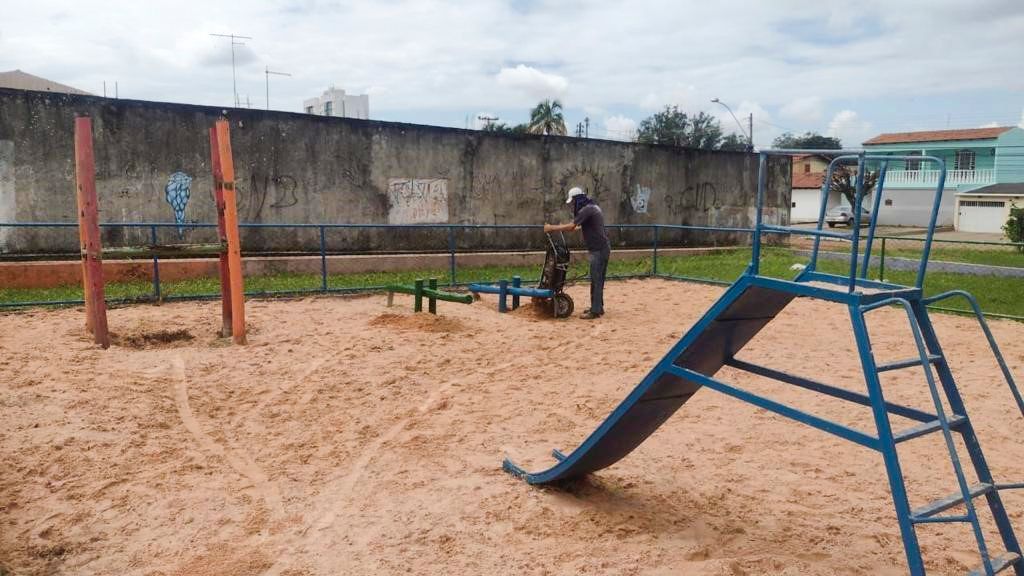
546, 118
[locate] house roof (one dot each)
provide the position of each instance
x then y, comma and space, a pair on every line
808, 179
1004, 189
938, 135
24, 81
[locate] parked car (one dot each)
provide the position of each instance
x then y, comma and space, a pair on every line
843, 214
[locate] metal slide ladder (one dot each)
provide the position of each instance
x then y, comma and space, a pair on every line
752, 302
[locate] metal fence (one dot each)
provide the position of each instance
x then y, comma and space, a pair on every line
640, 251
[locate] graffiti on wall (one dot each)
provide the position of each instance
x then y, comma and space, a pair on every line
177, 192
417, 200
639, 198
262, 190
590, 178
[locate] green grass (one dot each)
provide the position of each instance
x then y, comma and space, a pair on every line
987, 255
996, 295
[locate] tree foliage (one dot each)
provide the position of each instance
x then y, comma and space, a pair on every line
546, 118
735, 142
502, 128
674, 127
1014, 227
809, 140
844, 181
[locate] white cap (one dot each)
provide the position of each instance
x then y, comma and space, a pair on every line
573, 192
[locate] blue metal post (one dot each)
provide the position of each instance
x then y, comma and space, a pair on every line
886, 444
502, 295
858, 201
323, 259
516, 283
822, 210
876, 205
156, 264
762, 179
931, 225
654, 263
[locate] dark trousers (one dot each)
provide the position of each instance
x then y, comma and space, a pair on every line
598, 269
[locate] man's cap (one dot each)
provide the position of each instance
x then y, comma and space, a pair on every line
573, 192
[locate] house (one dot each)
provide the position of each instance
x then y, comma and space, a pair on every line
976, 160
808, 176
335, 102
24, 81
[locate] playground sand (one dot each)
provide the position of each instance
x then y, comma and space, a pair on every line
350, 438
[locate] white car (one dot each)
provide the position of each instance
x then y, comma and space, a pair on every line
843, 214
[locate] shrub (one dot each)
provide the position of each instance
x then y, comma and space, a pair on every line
1014, 227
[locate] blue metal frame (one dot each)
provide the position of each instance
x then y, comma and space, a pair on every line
716, 339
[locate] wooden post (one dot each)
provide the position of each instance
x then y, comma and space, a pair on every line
89, 233
432, 302
225, 271
227, 168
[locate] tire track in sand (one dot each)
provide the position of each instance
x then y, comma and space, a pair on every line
241, 463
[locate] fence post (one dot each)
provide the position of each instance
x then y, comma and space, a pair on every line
451, 254
418, 294
881, 262
516, 283
432, 302
654, 263
323, 259
156, 264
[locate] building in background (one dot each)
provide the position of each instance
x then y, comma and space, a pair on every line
19, 80
808, 177
335, 102
978, 160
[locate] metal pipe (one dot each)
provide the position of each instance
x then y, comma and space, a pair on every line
874, 218
762, 179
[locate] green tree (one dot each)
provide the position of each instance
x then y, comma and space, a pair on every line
734, 142
674, 127
502, 128
844, 181
1014, 227
810, 140
546, 118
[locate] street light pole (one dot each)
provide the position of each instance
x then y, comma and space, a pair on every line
267, 72
234, 37
750, 135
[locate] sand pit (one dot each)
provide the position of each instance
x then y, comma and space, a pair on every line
351, 438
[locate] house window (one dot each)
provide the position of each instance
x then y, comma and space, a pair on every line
964, 160
807, 168
328, 108
913, 164
309, 109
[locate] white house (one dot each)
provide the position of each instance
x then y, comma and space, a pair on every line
334, 102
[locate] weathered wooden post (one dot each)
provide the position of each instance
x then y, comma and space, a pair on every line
89, 233
234, 255
225, 272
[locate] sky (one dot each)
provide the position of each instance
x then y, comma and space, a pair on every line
845, 69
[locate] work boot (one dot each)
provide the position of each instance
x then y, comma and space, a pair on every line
588, 315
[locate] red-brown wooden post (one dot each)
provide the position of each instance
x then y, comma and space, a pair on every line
227, 167
89, 232
225, 272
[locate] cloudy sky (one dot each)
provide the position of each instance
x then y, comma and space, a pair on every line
849, 69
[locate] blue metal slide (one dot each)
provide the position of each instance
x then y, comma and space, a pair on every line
736, 318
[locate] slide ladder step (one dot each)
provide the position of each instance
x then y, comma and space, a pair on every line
955, 422
999, 563
932, 358
928, 510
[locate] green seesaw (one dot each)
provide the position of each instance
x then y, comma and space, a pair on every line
428, 290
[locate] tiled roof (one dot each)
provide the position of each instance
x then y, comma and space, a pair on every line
938, 135
808, 179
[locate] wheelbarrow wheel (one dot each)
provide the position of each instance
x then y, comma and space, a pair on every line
562, 305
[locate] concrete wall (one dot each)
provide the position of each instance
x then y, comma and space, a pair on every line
297, 168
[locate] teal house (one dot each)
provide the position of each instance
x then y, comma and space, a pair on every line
984, 176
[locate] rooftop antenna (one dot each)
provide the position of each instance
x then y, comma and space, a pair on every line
234, 42
267, 71
488, 120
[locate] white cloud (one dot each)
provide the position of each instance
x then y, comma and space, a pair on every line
620, 128
850, 128
805, 109
533, 82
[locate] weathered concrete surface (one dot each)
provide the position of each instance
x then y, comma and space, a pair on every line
297, 168
50, 274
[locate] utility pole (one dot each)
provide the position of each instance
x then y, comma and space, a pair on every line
488, 120
586, 123
234, 42
267, 71
750, 143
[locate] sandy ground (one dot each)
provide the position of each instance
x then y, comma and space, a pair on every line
349, 438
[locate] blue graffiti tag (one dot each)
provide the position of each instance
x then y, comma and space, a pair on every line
177, 193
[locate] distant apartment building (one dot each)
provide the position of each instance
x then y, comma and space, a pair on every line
19, 80
334, 102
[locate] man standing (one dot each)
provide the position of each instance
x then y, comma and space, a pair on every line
587, 215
